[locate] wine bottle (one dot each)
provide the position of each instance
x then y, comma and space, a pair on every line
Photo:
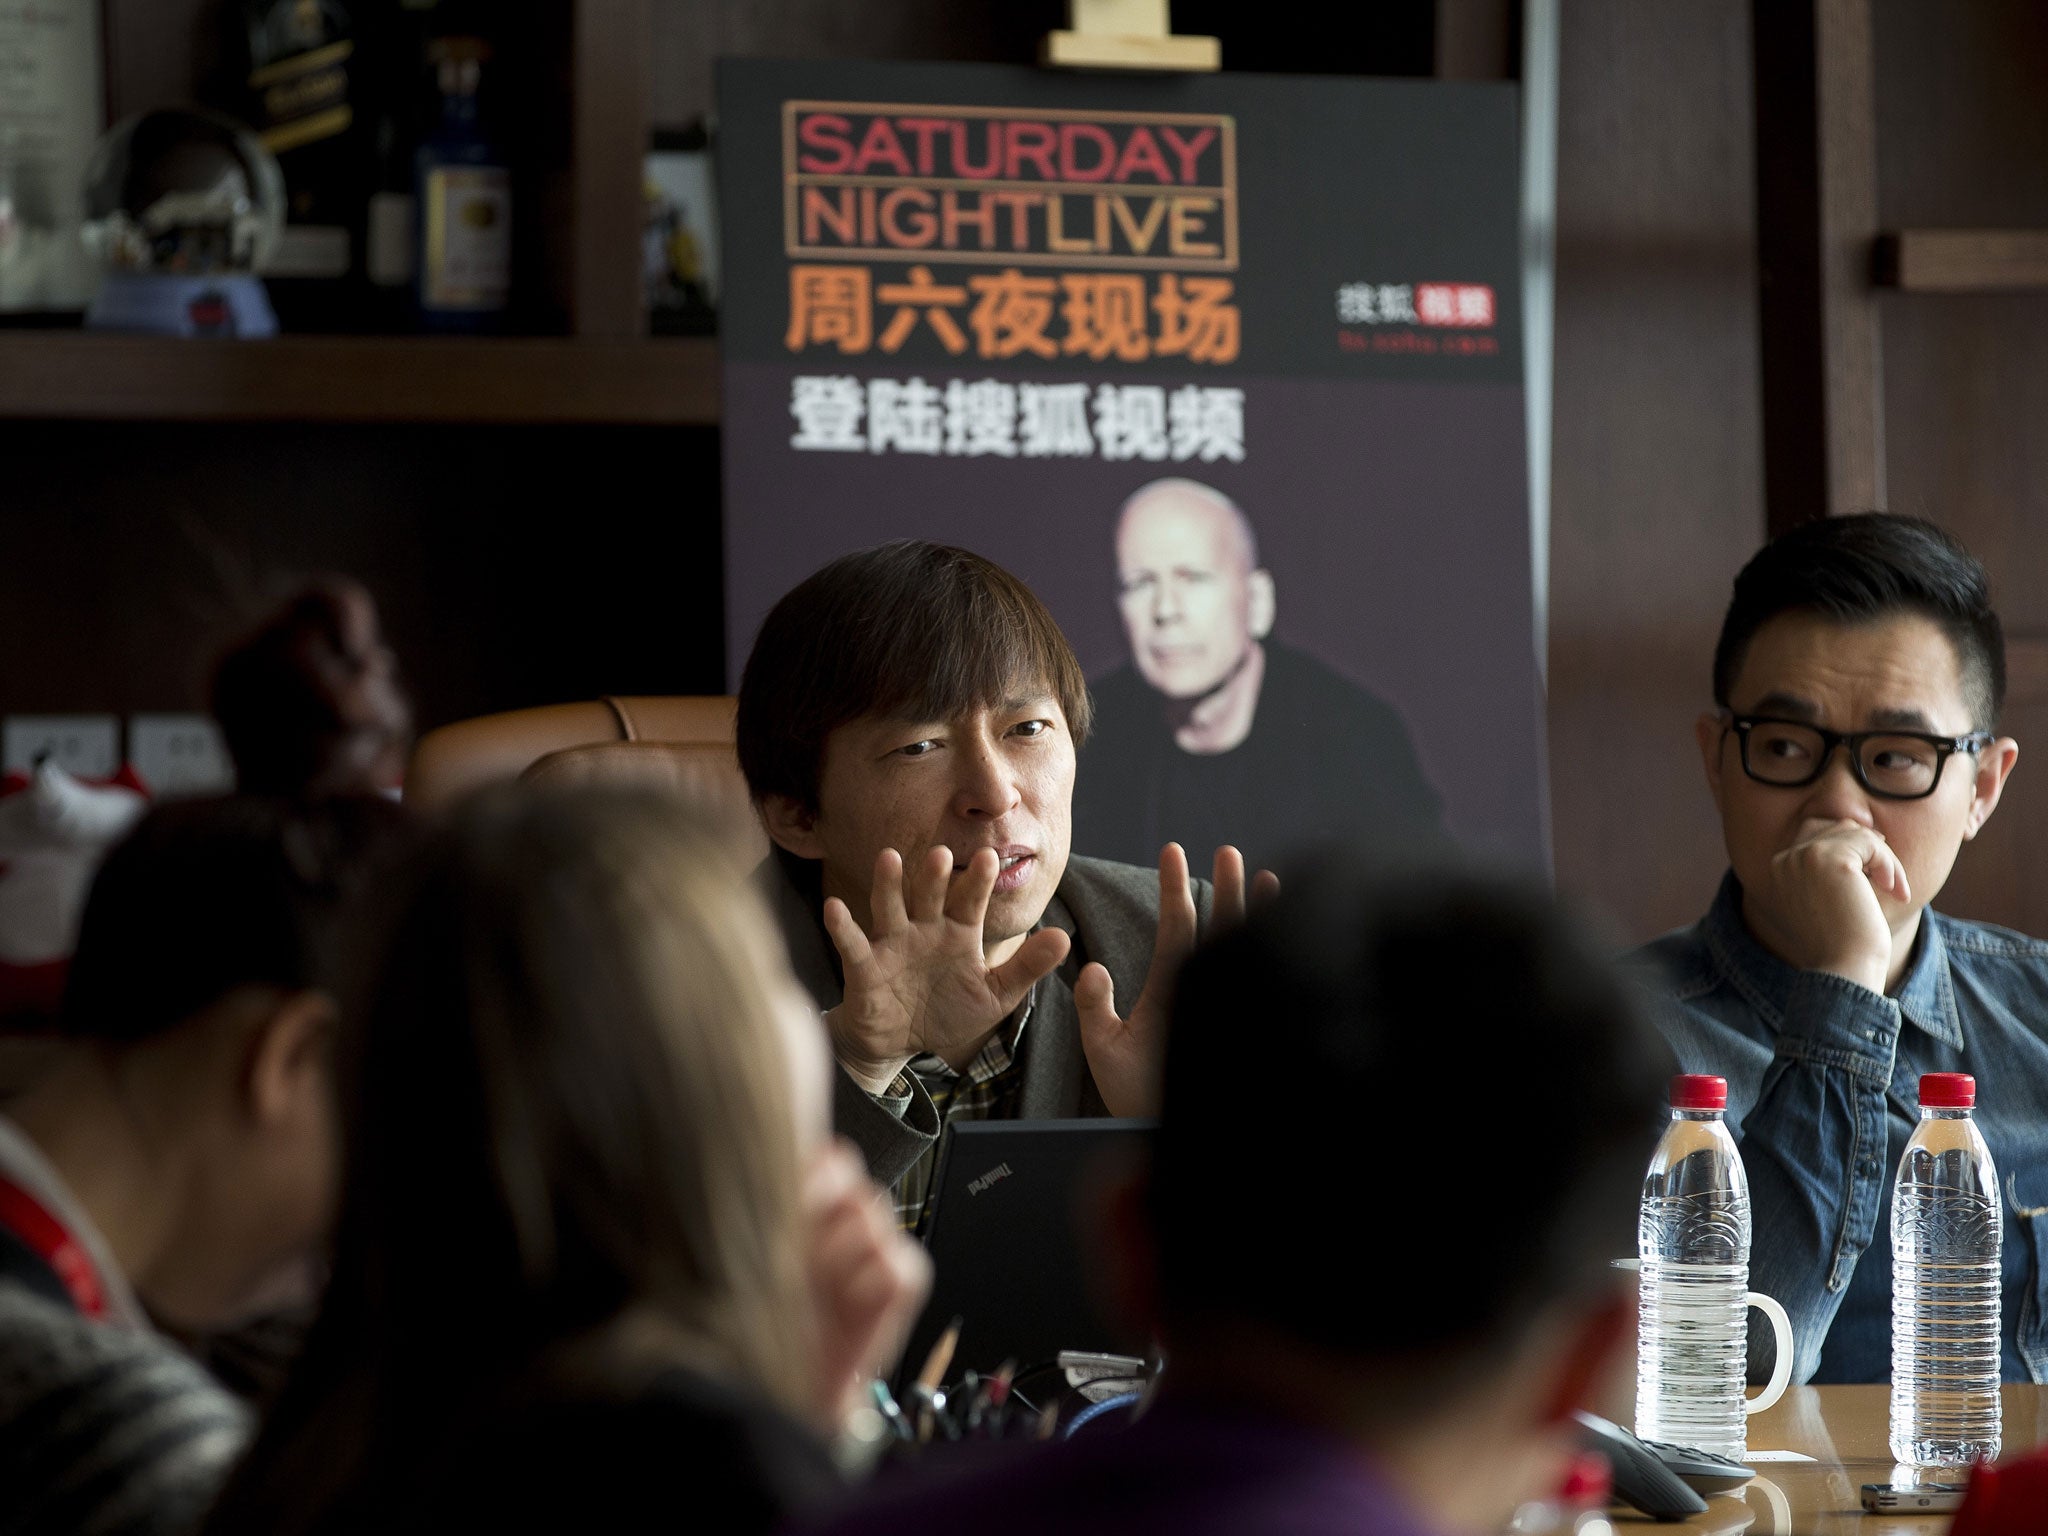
465, 202
394, 36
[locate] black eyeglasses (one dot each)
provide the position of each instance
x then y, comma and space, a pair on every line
1893, 765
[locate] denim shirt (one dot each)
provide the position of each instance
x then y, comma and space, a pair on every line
1823, 1091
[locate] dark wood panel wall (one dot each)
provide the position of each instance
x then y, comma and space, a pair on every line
1656, 485
1962, 138
1816, 155
515, 565
1389, 37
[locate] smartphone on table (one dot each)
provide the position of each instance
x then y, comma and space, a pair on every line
1914, 1499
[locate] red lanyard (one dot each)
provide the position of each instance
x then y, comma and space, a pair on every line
24, 1215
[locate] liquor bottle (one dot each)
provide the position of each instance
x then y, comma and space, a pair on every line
394, 36
299, 96
465, 202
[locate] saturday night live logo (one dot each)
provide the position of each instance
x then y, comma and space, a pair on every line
1012, 185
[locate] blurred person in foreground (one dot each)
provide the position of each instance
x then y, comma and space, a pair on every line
1429, 1297
310, 706
600, 1266
1854, 747
310, 701
175, 1167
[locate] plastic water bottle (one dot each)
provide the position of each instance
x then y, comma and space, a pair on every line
1947, 1226
1692, 1339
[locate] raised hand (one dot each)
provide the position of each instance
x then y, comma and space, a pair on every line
919, 979
1125, 1053
867, 1279
1822, 903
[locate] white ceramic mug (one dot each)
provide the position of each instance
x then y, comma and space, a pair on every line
1781, 1373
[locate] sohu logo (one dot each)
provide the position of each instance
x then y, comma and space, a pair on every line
1000, 1171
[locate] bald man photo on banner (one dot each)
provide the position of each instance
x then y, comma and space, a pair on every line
1217, 732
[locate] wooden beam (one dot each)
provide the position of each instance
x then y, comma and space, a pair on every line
1963, 260
1816, 194
610, 90
66, 374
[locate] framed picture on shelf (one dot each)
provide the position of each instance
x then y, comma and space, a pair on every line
51, 112
679, 238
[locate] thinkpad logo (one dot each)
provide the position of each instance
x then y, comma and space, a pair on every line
1000, 1171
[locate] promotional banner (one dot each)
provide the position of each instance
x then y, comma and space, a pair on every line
1227, 367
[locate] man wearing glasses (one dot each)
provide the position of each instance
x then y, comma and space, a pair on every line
1859, 677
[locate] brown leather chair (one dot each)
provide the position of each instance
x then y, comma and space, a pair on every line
684, 744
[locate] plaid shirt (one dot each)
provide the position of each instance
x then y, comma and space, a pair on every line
989, 1089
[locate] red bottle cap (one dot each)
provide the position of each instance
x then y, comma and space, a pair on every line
1693, 1090
1588, 1484
1947, 1090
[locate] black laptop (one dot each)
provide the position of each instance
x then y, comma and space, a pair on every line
1015, 1242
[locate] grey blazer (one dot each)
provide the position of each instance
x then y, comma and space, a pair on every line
1112, 913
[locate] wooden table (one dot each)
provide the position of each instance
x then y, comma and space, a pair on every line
1844, 1429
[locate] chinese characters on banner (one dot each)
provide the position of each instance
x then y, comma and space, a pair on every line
1009, 314
1424, 304
1036, 421
1227, 368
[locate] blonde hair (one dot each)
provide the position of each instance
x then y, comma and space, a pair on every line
634, 1029
572, 1158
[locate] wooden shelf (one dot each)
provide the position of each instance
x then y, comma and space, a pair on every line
48, 374
1963, 260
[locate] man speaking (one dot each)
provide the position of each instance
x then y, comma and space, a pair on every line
1219, 733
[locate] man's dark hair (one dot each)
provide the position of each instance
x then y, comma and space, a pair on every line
206, 896
1854, 570
1470, 1099
910, 629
